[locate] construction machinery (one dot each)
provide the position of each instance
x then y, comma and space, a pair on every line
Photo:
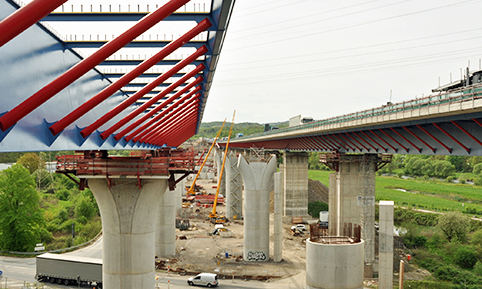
215, 219
191, 190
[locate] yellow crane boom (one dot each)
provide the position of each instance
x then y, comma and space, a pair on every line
214, 215
191, 189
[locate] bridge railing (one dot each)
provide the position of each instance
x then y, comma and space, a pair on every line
462, 95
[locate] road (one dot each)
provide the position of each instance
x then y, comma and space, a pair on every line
16, 271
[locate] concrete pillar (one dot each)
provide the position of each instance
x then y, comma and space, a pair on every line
258, 182
278, 216
352, 198
180, 189
234, 191
385, 240
334, 266
295, 183
166, 226
219, 163
128, 222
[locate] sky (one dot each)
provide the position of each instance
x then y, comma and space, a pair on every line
283, 58
324, 58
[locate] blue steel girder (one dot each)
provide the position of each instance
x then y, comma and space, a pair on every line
53, 56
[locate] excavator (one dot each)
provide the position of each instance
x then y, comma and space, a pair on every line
191, 189
215, 219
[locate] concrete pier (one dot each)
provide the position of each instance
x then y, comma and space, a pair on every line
352, 198
234, 191
278, 217
218, 159
295, 178
258, 182
128, 222
166, 226
385, 240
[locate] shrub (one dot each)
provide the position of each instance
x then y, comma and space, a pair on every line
477, 169
465, 257
450, 179
478, 268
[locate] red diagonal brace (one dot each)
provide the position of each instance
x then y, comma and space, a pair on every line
349, 141
336, 142
405, 128
160, 106
144, 128
20, 111
148, 104
433, 137
412, 144
168, 121
174, 126
451, 137
26, 16
383, 140
128, 77
390, 137
177, 139
373, 141
329, 143
342, 141
467, 133
367, 149
136, 96
319, 143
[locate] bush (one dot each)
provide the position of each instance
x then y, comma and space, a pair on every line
450, 179
400, 174
478, 268
477, 169
465, 257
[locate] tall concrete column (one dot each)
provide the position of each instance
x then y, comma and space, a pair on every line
352, 198
218, 159
258, 182
234, 192
278, 216
295, 178
385, 240
128, 222
180, 189
166, 226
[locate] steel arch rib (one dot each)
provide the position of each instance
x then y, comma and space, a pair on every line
40, 97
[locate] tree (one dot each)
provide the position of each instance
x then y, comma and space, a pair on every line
21, 221
31, 162
454, 225
314, 161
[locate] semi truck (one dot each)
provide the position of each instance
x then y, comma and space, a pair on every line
68, 269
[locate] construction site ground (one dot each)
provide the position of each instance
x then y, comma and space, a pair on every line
197, 250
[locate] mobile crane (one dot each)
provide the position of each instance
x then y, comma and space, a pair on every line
215, 219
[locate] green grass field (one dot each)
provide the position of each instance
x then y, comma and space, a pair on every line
428, 194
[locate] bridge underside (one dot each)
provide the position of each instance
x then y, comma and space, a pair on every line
448, 135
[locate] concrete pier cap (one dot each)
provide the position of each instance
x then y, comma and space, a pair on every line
258, 182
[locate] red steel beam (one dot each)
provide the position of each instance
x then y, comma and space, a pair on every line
136, 96
350, 142
383, 140
452, 138
175, 125
412, 144
40, 97
125, 79
335, 141
330, 145
151, 102
433, 137
357, 142
168, 121
148, 104
373, 141
144, 128
334, 135
390, 137
376, 149
466, 132
176, 140
26, 16
319, 143
405, 128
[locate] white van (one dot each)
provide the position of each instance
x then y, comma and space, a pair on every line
205, 279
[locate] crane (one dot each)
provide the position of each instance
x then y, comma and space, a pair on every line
191, 189
215, 219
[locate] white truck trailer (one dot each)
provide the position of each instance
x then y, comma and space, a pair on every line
68, 269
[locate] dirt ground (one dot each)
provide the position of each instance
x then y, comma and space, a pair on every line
197, 250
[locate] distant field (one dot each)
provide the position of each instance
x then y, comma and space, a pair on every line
431, 195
